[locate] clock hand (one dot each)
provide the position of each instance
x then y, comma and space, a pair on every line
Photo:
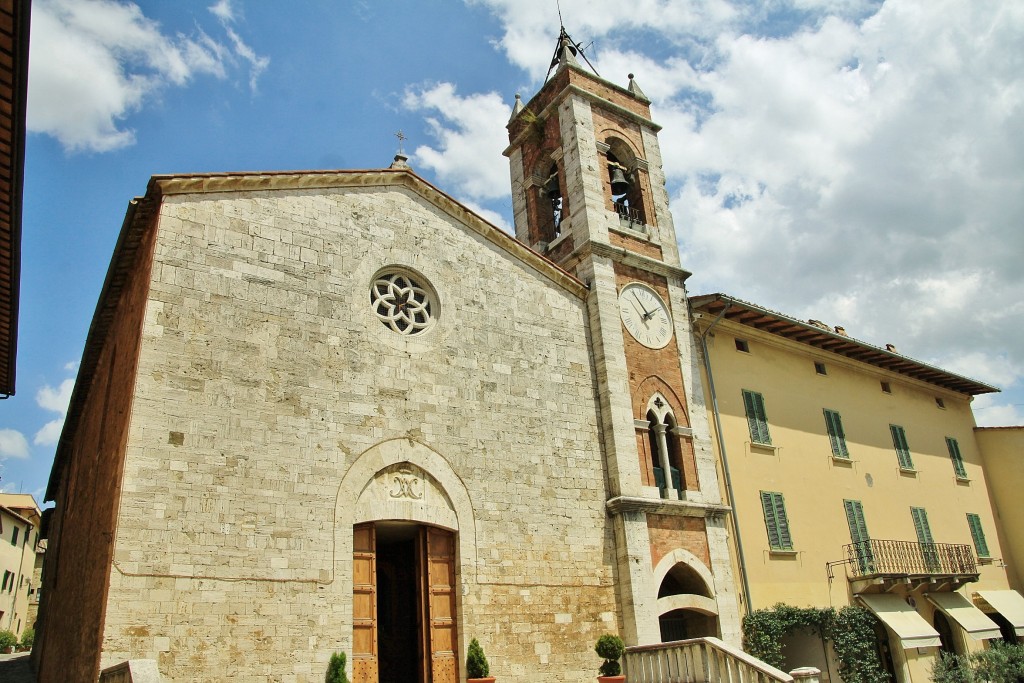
647, 315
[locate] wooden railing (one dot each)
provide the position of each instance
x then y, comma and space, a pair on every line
699, 660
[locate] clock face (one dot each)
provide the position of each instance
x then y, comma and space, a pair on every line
645, 315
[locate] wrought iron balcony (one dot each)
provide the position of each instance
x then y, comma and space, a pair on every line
901, 560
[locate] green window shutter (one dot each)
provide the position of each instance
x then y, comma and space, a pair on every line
924, 536
899, 442
859, 536
776, 521
757, 417
855, 519
924, 532
836, 436
954, 455
974, 521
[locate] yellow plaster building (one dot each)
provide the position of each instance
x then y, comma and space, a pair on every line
1002, 450
19, 536
856, 478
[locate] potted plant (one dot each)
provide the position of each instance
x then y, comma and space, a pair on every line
336, 669
610, 648
7, 642
477, 668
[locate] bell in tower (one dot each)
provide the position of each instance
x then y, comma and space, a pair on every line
580, 155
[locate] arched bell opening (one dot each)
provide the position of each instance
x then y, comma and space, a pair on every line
548, 202
622, 182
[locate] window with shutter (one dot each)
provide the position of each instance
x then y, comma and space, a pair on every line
954, 455
978, 534
776, 521
924, 537
859, 536
757, 418
899, 441
834, 427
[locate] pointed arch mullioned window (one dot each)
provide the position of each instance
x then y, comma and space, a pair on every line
663, 442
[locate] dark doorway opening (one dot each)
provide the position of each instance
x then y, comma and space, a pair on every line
398, 595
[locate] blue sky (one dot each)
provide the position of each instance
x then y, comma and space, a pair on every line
854, 161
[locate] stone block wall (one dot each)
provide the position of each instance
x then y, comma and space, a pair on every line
264, 375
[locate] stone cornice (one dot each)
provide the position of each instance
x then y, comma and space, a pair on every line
664, 506
629, 258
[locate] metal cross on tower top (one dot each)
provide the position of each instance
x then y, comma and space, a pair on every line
401, 138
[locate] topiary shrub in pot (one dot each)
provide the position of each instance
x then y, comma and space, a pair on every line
336, 669
610, 648
477, 668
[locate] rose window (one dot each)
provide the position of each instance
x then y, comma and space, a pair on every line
401, 303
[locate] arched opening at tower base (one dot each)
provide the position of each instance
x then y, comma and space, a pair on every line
403, 608
682, 624
686, 605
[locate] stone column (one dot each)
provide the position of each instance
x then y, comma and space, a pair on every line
659, 432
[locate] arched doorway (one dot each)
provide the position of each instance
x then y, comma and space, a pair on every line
393, 492
945, 630
403, 608
686, 607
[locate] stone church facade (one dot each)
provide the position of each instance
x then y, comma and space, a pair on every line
339, 412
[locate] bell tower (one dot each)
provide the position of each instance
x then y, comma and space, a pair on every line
588, 192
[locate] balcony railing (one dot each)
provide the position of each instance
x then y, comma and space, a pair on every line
628, 214
906, 558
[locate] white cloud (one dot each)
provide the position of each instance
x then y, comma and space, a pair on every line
492, 217
470, 134
990, 411
49, 434
855, 161
13, 444
224, 11
54, 400
95, 62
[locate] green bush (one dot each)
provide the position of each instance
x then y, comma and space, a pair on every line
610, 648
950, 668
851, 631
7, 639
1000, 663
336, 669
28, 636
476, 662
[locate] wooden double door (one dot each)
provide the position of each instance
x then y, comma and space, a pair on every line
403, 610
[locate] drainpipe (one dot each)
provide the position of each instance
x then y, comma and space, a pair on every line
725, 459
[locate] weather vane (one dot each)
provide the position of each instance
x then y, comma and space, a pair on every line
401, 137
565, 42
